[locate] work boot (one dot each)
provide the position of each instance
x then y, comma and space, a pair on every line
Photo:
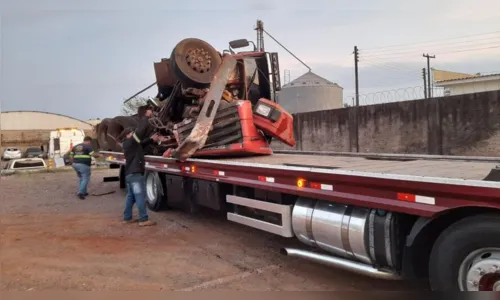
147, 223
129, 221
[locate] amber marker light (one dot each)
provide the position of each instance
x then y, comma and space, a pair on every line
301, 182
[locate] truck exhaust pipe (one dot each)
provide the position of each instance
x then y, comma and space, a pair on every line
340, 263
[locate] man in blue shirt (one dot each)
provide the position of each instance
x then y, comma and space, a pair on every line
81, 159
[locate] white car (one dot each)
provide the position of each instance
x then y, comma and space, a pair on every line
12, 153
23, 165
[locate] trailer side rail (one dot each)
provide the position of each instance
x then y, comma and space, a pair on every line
419, 195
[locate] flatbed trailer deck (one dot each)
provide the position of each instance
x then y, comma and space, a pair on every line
383, 215
422, 167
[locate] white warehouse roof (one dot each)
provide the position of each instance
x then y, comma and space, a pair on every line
38, 120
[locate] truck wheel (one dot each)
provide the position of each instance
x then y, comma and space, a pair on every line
155, 191
466, 256
195, 62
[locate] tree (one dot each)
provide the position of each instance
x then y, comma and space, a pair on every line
130, 108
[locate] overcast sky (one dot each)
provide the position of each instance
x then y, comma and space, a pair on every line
82, 58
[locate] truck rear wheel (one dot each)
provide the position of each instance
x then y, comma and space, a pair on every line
155, 191
466, 256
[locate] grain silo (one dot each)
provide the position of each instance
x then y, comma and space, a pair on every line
310, 92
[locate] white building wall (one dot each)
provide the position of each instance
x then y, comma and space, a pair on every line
27, 120
472, 87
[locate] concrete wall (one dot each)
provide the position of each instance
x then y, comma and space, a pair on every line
456, 125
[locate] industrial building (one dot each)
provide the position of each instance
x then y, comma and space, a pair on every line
459, 83
32, 128
94, 122
310, 92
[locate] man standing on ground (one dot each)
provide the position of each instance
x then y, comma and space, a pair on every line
81, 160
134, 170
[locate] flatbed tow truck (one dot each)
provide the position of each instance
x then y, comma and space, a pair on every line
387, 216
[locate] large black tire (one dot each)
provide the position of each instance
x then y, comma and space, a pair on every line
102, 134
184, 69
454, 245
115, 128
156, 192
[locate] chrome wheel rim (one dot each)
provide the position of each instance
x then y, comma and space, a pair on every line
151, 190
480, 271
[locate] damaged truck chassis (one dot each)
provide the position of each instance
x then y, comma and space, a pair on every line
210, 104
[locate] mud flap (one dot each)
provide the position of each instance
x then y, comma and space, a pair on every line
199, 134
494, 175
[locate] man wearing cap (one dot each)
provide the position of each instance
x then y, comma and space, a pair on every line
81, 160
133, 143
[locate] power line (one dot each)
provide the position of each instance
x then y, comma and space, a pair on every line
448, 44
393, 57
381, 63
432, 41
390, 65
391, 77
394, 72
494, 47
445, 49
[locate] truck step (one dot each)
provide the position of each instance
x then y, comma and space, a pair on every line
285, 211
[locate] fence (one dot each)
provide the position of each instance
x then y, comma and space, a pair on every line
450, 88
401, 94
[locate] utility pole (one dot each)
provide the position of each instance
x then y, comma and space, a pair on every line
260, 35
356, 82
425, 83
429, 72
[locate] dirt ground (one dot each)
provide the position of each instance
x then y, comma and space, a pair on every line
50, 240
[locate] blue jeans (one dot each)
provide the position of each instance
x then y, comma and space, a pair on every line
83, 172
136, 190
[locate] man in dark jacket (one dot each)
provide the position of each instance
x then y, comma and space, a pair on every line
81, 160
134, 170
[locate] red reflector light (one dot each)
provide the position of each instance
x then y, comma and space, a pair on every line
266, 179
406, 197
315, 185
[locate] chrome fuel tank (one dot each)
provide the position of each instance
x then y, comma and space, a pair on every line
361, 234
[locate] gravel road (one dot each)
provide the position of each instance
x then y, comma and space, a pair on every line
50, 240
